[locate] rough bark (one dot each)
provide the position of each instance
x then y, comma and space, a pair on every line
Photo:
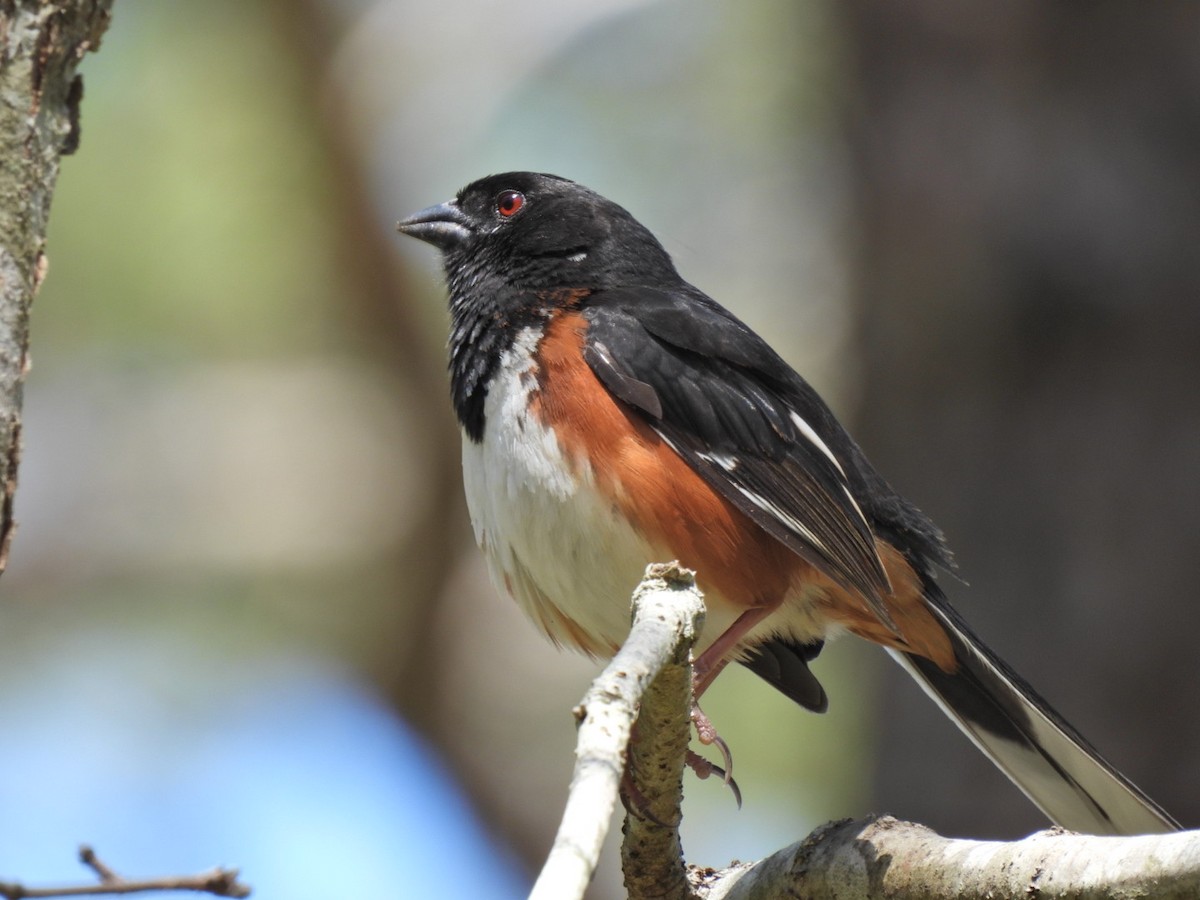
651, 851
668, 614
41, 45
882, 857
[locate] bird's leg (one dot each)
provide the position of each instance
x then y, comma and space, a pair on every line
704, 670
716, 656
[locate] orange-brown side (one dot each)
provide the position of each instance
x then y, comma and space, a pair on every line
920, 631
676, 509
649, 483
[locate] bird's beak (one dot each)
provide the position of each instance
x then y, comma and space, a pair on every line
444, 225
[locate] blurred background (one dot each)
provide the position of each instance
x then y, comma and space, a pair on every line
244, 622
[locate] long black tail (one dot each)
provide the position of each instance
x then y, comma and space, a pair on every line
1043, 755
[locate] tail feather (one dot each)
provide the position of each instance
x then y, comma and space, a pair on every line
1035, 747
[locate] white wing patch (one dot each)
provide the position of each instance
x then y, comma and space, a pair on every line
813, 438
724, 460
854, 503
790, 521
729, 463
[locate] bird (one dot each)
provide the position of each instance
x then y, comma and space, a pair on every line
614, 415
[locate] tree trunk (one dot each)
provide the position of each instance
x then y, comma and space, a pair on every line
41, 43
1029, 280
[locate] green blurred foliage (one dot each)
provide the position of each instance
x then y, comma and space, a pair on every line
194, 221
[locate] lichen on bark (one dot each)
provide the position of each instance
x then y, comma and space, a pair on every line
41, 45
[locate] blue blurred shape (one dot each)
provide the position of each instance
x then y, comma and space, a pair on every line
291, 771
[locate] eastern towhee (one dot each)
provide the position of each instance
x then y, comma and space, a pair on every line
613, 415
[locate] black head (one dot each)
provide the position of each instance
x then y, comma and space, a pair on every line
529, 231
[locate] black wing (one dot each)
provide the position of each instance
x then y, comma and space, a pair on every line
744, 420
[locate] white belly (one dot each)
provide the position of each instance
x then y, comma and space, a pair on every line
551, 540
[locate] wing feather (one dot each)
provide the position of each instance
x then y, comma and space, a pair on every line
727, 404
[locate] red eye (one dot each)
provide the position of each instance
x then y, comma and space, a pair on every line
509, 203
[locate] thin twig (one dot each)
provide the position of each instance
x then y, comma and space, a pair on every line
217, 882
88, 857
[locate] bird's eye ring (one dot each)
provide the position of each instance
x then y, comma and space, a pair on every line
509, 203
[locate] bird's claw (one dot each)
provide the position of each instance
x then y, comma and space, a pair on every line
701, 766
705, 768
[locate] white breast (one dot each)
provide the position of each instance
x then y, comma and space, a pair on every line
552, 541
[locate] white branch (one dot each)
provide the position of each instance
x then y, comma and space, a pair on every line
850, 860
667, 616
883, 857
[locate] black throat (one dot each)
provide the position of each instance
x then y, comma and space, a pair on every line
484, 326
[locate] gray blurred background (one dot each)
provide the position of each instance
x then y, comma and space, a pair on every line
244, 621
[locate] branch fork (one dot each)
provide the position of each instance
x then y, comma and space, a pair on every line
649, 682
